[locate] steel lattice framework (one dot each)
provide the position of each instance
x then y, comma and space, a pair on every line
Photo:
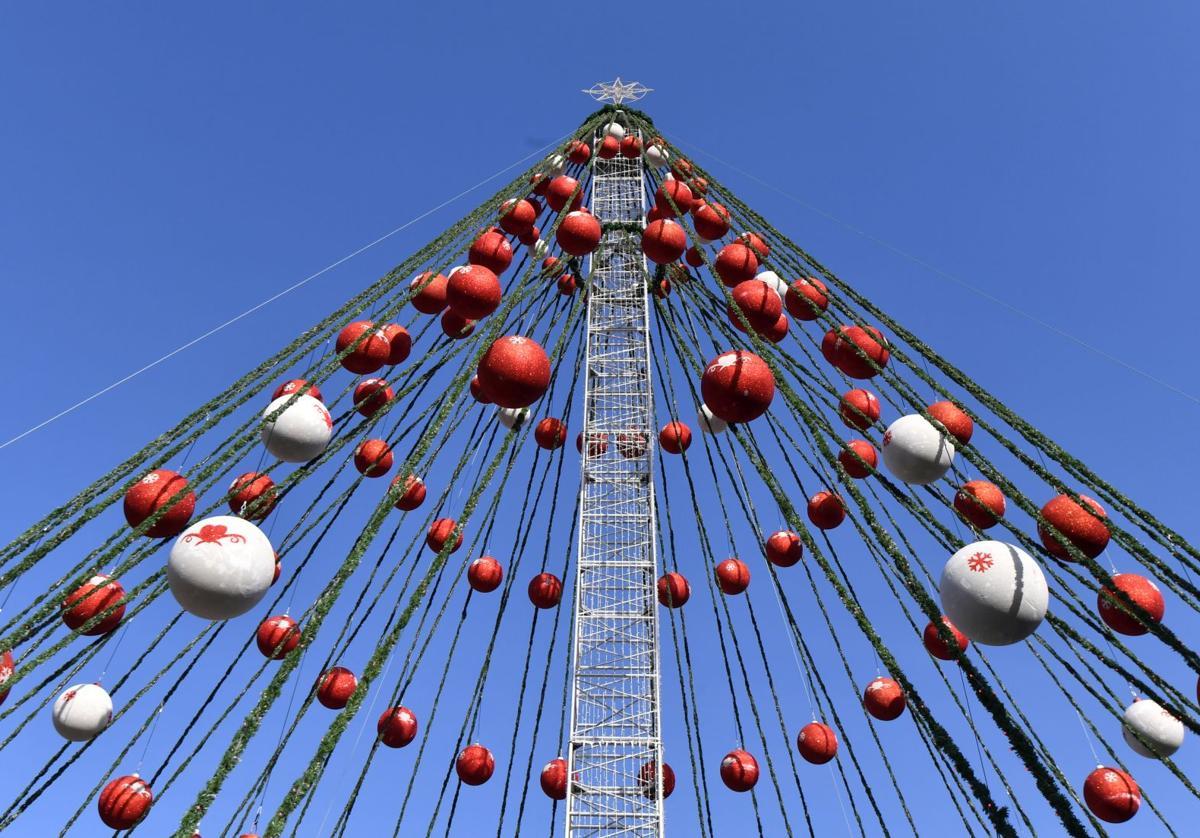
616, 746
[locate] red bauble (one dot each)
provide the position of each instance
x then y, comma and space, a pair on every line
530, 237
538, 183
278, 569
579, 233
277, 636
859, 409
870, 341
371, 395
826, 510
564, 189
1144, 593
514, 372
399, 343
673, 198
550, 433
784, 548
681, 168
295, 385
673, 590
631, 445
545, 590
473, 291
663, 241
859, 458
938, 647
124, 802
710, 220
371, 352
253, 494
440, 532
413, 493
735, 264
980, 502
7, 665
675, 437
817, 743
566, 285
737, 386
455, 326
699, 185
1082, 529
1112, 795
90, 600
733, 576
477, 391
397, 726
485, 574
475, 763
655, 213
739, 770
884, 699
551, 267
757, 245
429, 292
777, 332
631, 147
154, 491
373, 458
517, 216
609, 147
554, 779
806, 298
954, 419
694, 257
759, 304
649, 780
335, 687
597, 443
578, 151
492, 251
537, 208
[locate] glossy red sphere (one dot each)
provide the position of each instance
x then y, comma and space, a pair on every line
485, 574
492, 251
296, 385
335, 687
758, 246
673, 198
806, 298
860, 352
859, 409
475, 765
980, 502
1083, 529
737, 386
648, 779
954, 419
938, 647
663, 241
252, 495
370, 347
397, 726
1144, 593
371, 395
710, 220
564, 189
517, 216
92, 599
597, 443
373, 458
578, 151
399, 343
631, 147
1111, 794
554, 779
739, 770
757, 302
154, 491
514, 372
579, 233
784, 548
694, 257
429, 292
7, 664
277, 636
124, 802
545, 590
859, 458
826, 510
736, 264
884, 699
550, 433
473, 292
817, 743
440, 532
412, 494
455, 326
675, 437
608, 149
733, 576
673, 590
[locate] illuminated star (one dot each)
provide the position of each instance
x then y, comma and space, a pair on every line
618, 91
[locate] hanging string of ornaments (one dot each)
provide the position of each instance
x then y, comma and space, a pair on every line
459, 364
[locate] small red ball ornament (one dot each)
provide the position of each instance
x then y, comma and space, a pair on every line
545, 590
124, 802
492, 251
473, 291
413, 493
609, 147
399, 343
938, 647
477, 391
370, 353
663, 241
675, 437
757, 245
564, 189
154, 491
784, 548
710, 220
597, 443
979, 502
817, 743
1083, 529
850, 341
737, 386
733, 576
954, 419
758, 302
655, 213
554, 779
579, 233
826, 510
579, 151
673, 590
538, 183
373, 458
440, 532
277, 636
429, 292
552, 266
648, 778
530, 237
859, 409
475, 763
631, 445
252, 494
335, 687
397, 726
694, 257
455, 326
777, 332
884, 699
631, 147
7, 664
736, 264
566, 285
550, 433
859, 458
1111, 794
1144, 593
90, 600
517, 216
673, 198
739, 770
806, 298
514, 372
296, 385
372, 395
485, 574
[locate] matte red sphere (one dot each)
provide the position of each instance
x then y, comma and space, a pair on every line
335, 687
1084, 530
733, 576
647, 776
673, 198
252, 495
694, 257
538, 182
554, 779
675, 437
980, 502
609, 147
397, 726
373, 458
413, 493
710, 220
859, 409
954, 419
455, 326
277, 636
579, 233
859, 458
90, 600
826, 510
124, 802
371, 395
578, 151
737, 386
736, 264
530, 237
564, 189
784, 548
475, 765
566, 285
673, 590
631, 147
655, 213
473, 291
817, 743
545, 590
370, 354
597, 443
296, 384
492, 251
154, 491
517, 216
739, 770
663, 241
757, 245
758, 302
871, 343
485, 574
699, 185
1144, 593
440, 532
777, 332
429, 292
1112, 795
550, 433
514, 372
884, 699
806, 298
681, 168
938, 647
399, 343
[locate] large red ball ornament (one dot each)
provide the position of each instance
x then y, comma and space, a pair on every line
675, 437
710, 220
473, 291
252, 495
397, 726
154, 491
954, 419
979, 502
733, 576
412, 493
673, 198
475, 763
739, 770
455, 326
579, 233
757, 245
817, 743
673, 590
550, 433
335, 687
514, 372
277, 636
485, 574
1111, 794
663, 241
806, 298
492, 251
554, 779
859, 409
758, 302
631, 445
1086, 531
609, 147
735, 264
538, 182
545, 590
517, 216
579, 152
90, 600
429, 292
370, 353
884, 699
648, 779
295, 385
855, 342
826, 510
372, 395
440, 532
631, 147
597, 443
738, 386
564, 189
124, 802
1144, 593
859, 458
373, 458
938, 647
784, 548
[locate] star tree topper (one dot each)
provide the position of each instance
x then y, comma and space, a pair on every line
618, 91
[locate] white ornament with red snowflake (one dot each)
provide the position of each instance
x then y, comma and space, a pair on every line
220, 567
82, 712
994, 592
915, 451
1150, 730
300, 432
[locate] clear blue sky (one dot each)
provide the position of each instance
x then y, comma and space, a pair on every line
164, 169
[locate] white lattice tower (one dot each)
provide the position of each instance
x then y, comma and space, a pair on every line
615, 698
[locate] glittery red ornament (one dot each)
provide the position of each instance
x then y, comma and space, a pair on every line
758, 302
784, 548
1112, 795
826, 510
938, 647
733, 576
564, 189
884, 699
859, 409
737, 386
806, 298
545, 590
90, 600
681, 168
485, 574
550, 433
675, 437
253, 496
154, 491
1144, 593
1084, 530
631, 445
870, 341
817, 743
278, 569
673, 198
517, 216
124, 802
397, 726
609, 147
277, 636
710, 220
859, 458
475, 763
739, 770
579, 233
538, 183
370, 354
757, 245
440, 532
777, 332
597, 443
980, 502
455, 326
735, 264
429, 292
295, 385
7, 664
554, 779
578, 151
412, 494
371, 395
373, 458
537, 207
694, 257
673, 590
655, 213
648, 779
473, 292
335, 687
514, 372
954, 419
477, 391
631, 147
663, 241
566, 285
492, 251
530, 237
662, 288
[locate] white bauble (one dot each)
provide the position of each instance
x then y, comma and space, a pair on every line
710, 423
1162, 732
556, 165
512, 417
615, 129
656, 156
82, 712
220, 567
914, 451
994, 592
773, 279
300, 432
